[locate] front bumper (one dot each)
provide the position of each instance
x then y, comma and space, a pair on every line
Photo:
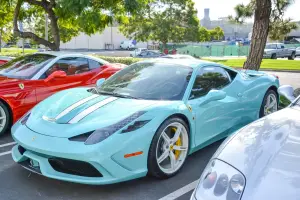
267, 56
34, 150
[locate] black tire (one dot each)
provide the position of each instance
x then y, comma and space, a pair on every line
8, 118
292, 57
153, 168
274, 56
261, 111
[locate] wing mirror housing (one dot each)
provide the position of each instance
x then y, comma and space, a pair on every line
100, 82
56, 74
214, 95
287, 92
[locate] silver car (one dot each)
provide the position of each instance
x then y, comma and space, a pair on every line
259, 162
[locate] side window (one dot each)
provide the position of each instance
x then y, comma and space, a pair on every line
282, 46
209, 78
70, 65
278, 46
94, 64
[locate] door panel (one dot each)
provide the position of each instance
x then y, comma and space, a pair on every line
216, 117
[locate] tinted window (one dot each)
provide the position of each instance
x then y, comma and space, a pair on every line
25, 67
152, 81
71, 66
94, 64
209, 78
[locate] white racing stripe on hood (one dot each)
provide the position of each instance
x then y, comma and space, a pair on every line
75, 105
91, 109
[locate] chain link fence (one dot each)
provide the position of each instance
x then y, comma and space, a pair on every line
210, 50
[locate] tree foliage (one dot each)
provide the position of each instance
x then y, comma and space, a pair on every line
165, 21
68, 18
269, 22
217, 33
279, 27
6, 17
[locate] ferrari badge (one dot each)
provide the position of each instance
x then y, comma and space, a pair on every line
21, 85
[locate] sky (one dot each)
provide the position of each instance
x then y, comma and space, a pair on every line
223, 8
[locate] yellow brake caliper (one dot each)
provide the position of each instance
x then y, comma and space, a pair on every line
178, 143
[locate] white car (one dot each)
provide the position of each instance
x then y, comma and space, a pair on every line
127, 45
137, 52
298, 51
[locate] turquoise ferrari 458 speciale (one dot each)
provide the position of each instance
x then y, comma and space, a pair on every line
145, 119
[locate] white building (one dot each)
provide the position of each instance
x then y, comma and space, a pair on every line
111, 35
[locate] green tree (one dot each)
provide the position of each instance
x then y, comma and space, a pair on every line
164, 21
68, 18
6, 17
217, 33
268, 21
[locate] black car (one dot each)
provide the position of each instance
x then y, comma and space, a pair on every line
150, 54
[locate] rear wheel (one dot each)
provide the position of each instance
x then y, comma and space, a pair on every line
274, 56
270, 104
169, 148
293, 56
4, 118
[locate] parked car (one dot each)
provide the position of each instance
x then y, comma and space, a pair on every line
260, 161
4, 59
145, 119
178, 56
150, 54
278, 50
9, 44
27, 80
26, 46
137, 52
298, 51
127, 45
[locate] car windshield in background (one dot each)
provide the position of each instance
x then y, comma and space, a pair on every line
271, 46
151, 81
25, 67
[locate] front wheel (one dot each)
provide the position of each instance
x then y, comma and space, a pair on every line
269, 104
169, 148
4, 118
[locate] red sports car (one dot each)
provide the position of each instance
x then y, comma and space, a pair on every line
4, 59
25, 81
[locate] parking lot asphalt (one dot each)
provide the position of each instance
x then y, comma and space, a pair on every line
17, 183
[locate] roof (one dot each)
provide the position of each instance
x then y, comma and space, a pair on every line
194, 63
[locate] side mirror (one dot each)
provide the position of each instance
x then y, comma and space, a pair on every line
287, 91
100, 82
56, 74
214, 95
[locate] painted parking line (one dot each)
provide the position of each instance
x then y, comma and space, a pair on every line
180, 191
5, 153
7, 144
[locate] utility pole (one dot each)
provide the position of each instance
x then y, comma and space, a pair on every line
46, 27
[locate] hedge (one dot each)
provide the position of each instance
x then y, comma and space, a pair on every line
123, 60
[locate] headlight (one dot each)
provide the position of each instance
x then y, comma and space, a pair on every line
99, 135
25, 118
220, 181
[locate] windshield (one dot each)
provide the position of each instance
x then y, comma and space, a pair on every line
151, 81
25, 67
271, 46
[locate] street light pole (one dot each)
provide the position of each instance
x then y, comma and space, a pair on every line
46, 26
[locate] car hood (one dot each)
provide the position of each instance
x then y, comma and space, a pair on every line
72, 112
267, 50
267, 152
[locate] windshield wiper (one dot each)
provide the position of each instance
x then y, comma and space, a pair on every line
117, 95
